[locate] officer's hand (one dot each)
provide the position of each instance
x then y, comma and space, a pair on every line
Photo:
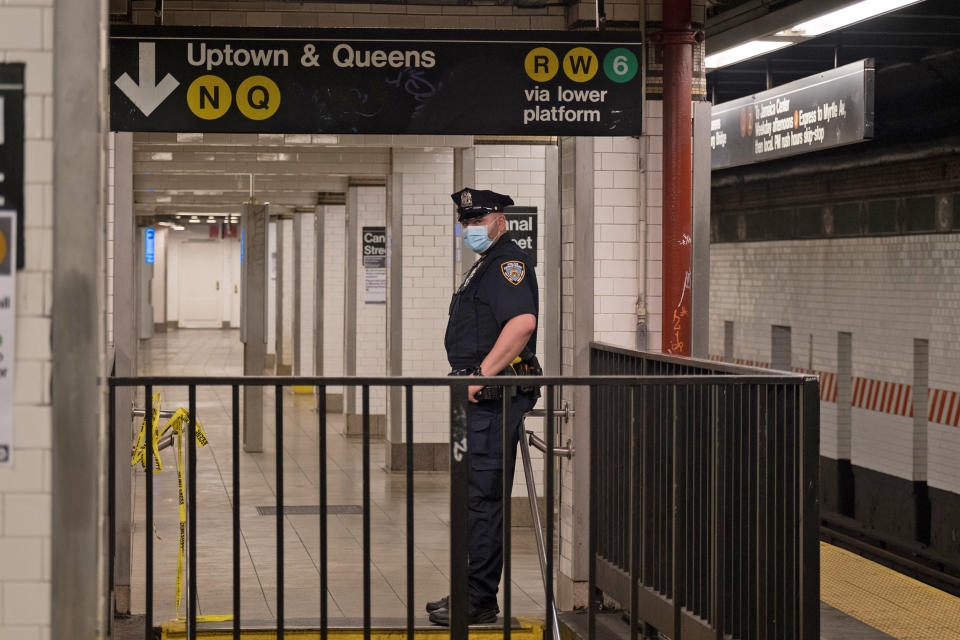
472, 392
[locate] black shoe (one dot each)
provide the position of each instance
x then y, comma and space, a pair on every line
436, 605
477, 616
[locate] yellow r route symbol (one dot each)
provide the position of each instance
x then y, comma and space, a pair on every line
209, 97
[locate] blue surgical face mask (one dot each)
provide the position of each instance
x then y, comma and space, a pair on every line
476, 238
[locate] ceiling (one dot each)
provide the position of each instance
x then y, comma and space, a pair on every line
915, 35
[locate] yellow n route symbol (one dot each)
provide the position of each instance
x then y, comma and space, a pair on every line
209, 97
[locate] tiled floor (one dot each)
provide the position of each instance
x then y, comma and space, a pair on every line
212, 352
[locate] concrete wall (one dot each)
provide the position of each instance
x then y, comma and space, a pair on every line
371, 318
26, 35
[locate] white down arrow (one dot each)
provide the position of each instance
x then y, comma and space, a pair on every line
147, 95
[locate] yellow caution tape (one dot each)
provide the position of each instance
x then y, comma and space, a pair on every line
176, 424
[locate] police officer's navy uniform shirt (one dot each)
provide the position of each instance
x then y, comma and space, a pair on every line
501, 286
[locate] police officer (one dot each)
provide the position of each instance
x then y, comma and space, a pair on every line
493, 320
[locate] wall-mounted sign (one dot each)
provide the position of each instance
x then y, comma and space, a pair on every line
8, 297
148, 244
374, 257
830, 109
11, 146
378, 81
522, 225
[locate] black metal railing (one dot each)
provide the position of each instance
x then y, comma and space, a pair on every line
704, 497
704, 452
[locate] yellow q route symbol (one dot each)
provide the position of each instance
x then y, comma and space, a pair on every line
209, 97
258, 97
3, 246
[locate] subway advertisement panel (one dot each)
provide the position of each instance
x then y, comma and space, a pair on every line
375, 81
830, 109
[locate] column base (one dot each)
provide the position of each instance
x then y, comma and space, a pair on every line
378, 425
570, 593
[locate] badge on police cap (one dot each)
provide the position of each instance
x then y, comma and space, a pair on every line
466, 199
513, 271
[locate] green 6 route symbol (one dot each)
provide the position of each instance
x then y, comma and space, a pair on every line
620, 65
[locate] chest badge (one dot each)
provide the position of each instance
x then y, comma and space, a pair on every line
513, 271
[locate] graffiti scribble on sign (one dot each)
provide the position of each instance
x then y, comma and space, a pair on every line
415, 85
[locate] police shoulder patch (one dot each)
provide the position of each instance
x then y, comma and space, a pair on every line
513, 271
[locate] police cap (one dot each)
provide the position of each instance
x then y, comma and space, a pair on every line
474, 203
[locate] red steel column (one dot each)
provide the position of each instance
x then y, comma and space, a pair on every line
678, 39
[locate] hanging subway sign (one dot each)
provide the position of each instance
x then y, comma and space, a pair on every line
375, 81
522, 226
11, 147
826, 110
374, 247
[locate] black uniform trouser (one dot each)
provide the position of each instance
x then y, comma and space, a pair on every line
485, 444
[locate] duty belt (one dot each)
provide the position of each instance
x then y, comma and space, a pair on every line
486, 393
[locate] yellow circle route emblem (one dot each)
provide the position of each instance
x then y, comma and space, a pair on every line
209, 97
258, 97
580, 64
541, 64
3, 246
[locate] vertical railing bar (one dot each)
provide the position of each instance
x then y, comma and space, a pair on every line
235, 461
634, 511
111, 503
550, 610
507, 492
592, 538
278, 407
718, 394
459, 518
322, 454
410, 515
148, 525
676, 507
192, 514
366, 512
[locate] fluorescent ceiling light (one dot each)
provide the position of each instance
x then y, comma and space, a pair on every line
840, 18
743, 52
177, 227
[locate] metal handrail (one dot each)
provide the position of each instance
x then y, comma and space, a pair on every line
539, 444
538, 528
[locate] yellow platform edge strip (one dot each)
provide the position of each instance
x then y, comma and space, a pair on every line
891, 602
300, 388
530, 629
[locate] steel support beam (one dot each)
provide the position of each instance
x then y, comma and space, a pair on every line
76, 457
124, 355
678, 39
700, 268
351, 253
253, 313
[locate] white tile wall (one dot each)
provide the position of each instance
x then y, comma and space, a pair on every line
25, 484
520, 172
275, 14
886, 292
427, 276
617, 214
